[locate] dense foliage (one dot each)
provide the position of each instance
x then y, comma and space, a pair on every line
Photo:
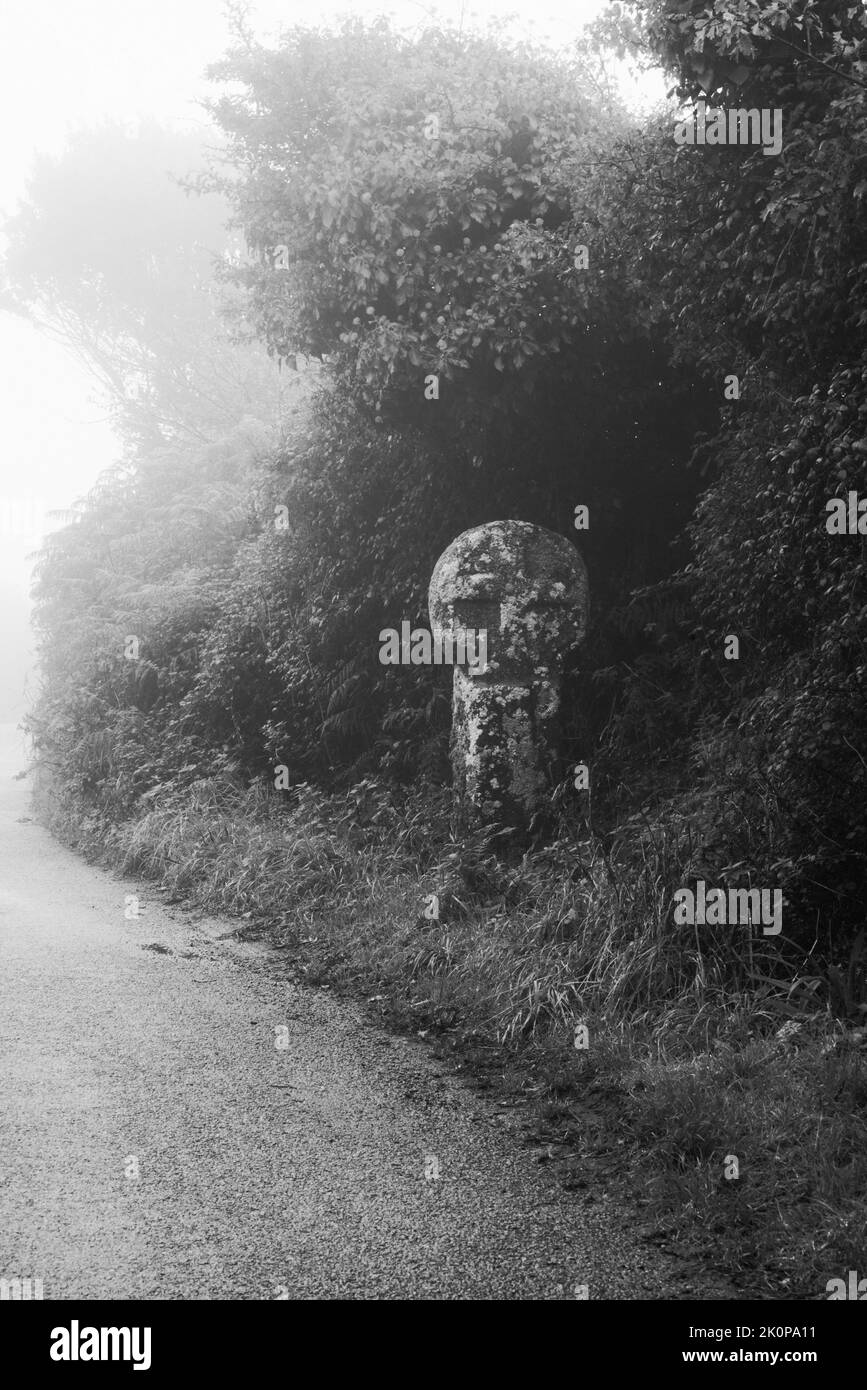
432, 197
761, 263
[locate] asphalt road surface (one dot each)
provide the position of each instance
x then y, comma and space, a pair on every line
181, 1121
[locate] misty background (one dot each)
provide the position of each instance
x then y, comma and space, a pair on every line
79, 67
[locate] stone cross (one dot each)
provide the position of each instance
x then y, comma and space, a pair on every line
527, 588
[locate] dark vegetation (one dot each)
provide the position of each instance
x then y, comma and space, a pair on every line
454, 255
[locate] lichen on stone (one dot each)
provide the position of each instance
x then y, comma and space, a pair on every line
532, 585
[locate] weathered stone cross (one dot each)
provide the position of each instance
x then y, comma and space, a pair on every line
527, 587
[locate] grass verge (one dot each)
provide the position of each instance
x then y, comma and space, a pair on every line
715, 1089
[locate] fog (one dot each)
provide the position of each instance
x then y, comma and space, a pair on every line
76, 68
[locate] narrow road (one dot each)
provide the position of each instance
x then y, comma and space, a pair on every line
161, 1139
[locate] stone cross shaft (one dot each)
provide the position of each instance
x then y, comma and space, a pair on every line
527, 588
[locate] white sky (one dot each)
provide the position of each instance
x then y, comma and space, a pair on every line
71, 63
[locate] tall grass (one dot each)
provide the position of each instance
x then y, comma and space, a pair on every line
701, 1046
